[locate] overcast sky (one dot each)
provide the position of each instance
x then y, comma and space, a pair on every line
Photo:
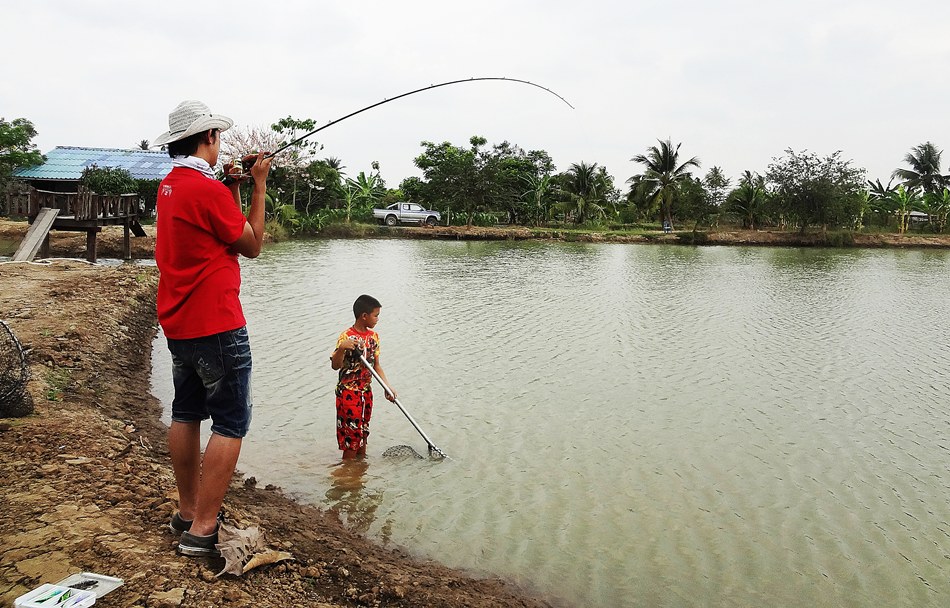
736, 81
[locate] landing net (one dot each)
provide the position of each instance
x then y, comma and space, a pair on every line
15, 401
402, 451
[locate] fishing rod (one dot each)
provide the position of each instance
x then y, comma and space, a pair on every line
387, 100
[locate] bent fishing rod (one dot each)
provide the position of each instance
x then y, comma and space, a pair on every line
389, 99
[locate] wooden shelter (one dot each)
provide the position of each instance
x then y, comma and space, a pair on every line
55, 185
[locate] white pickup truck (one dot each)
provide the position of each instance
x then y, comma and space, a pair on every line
406, 213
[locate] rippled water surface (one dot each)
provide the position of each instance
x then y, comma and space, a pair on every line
628, 425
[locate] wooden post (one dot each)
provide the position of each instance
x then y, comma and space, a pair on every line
91, 245
44, 248
127, 241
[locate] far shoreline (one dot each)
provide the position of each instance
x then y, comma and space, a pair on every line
109, 241
716, 236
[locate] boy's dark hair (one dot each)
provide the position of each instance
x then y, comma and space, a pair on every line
189, 145
366, 304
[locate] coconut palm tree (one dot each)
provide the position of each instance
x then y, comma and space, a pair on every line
663, 175
585, 190
924, 172
334, 163
748, 199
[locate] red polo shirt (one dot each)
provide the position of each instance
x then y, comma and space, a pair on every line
200, 278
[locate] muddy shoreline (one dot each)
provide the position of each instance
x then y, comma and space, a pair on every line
87, 483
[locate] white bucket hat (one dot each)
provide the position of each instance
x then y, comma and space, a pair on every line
190, 117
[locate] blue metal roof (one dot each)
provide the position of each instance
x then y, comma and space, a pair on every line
67, 163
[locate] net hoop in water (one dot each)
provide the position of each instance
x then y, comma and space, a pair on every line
402, 451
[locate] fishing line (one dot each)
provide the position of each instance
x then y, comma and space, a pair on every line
428, 88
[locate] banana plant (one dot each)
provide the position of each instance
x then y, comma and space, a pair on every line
937, 207
351, 194
540, 191
905, 201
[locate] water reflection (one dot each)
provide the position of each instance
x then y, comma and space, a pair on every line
350, 500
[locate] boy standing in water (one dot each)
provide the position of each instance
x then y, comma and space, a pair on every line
354, 392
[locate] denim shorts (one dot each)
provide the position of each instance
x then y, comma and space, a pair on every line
212, 377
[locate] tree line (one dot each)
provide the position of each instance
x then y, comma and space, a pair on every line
484, 184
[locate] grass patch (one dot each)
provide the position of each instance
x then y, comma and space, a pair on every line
57, 382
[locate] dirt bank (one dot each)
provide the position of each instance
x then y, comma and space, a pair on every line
87, 484
73, 244
774, 238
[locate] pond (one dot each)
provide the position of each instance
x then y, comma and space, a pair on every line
628, 425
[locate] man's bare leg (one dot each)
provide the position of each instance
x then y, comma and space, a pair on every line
217, 468
184, 445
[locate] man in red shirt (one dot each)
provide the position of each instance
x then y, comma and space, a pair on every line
200, 232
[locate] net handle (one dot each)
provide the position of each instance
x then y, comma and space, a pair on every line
415, 425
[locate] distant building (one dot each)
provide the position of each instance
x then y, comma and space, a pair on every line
55, 200
64, 166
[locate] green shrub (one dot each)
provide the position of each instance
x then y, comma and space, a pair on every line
148, 192
276, 230
839, 239
109, 180
484, 218
693, 238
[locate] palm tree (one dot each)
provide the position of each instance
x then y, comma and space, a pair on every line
143, 145
748, 200
334, 163
585, 188
924, 172
663, 175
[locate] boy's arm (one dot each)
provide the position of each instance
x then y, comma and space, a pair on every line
379, 370
337, 356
